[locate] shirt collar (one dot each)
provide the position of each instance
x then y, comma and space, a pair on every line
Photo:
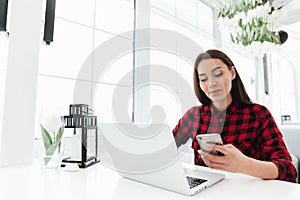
232, 107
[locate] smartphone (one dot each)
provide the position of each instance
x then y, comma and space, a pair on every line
207, 141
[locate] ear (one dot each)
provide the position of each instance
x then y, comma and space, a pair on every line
233, 72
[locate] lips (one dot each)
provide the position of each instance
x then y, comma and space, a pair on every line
214, 92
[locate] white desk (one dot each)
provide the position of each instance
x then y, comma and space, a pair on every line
29, 182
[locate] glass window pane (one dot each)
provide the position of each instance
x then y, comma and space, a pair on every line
204, 18
185, 72
161, 20
186, 13
167, 101
108, 66
246, 69
166, 6
114, 16
188, 17
283, 87
109, 101
166, 61
119, 71
80, 11
64, 57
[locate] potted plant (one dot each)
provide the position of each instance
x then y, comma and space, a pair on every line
52, 148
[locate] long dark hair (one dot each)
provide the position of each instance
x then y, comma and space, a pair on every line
238, 90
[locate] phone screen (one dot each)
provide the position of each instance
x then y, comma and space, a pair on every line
207, 142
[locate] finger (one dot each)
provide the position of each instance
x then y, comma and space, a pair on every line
207, 162
214, 165
217, 166
221, 148
205, 155
202, 153
213, 158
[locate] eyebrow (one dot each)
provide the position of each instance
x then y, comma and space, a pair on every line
211, 70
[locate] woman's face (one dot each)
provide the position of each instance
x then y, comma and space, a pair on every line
215, 79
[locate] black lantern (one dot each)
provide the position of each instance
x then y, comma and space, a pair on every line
84, 140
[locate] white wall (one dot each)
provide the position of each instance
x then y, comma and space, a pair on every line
3, 62
20, 85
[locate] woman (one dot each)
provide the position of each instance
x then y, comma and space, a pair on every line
253, 144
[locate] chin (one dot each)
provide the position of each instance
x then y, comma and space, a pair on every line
218, 99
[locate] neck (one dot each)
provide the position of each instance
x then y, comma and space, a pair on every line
222, 105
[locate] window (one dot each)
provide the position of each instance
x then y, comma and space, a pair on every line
283, 87
79, 32
246, 69
192, 19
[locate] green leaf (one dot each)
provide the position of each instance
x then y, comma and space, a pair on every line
59, 135
51, 149
240, 23
46, 137
46, 160
51, 145
231, 36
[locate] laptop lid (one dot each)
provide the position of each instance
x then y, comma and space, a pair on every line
148, 154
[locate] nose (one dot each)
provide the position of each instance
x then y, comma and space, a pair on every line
211, 82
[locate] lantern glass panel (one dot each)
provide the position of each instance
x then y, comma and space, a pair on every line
91, 143
76, 144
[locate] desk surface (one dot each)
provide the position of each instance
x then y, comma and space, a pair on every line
100, 182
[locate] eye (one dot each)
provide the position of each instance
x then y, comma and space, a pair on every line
219, 74
202, 77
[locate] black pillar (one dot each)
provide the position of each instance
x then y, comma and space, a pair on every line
49, 21
3, 14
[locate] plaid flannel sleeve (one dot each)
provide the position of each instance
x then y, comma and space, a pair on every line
183, 131
274, 148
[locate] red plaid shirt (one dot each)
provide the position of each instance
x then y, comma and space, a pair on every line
251, 128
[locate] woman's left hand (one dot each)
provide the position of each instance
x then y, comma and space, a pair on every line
233, 160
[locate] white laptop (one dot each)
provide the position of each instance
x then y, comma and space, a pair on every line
149, 155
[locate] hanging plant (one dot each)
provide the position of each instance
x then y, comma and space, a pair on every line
252, 24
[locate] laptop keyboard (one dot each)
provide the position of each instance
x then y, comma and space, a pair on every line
193, 182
